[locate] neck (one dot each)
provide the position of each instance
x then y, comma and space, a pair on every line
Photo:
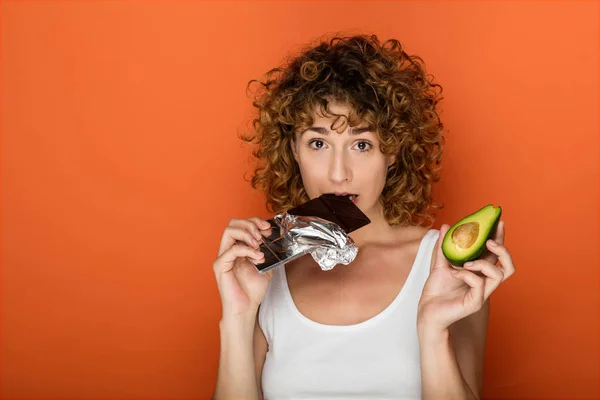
377, 231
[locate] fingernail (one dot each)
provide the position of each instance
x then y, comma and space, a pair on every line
468, 264
492, 243
257, 235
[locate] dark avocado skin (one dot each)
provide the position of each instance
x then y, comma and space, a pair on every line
476, 252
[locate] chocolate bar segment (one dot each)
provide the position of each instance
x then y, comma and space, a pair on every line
275, 255
338, 209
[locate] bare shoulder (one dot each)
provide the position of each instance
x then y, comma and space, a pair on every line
402, 243
399, 252
411, 235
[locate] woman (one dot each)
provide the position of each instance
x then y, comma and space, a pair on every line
353, 116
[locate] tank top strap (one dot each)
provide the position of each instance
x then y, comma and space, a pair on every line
424, 265
271, 305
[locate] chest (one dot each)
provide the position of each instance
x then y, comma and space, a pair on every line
349, 295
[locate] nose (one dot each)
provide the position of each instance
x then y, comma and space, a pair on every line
339, 167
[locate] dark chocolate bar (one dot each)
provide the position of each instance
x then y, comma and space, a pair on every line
337, 209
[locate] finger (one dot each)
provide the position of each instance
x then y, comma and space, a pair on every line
493, 275
226, 261
500, 233
260, 258
266, 229
506, 261
227, 240
474, 299
252, 225
237, 236
440, 260
498, 237
262, 224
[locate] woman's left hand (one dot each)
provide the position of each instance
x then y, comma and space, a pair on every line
453, 293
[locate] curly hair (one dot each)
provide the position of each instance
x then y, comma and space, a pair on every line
386, 89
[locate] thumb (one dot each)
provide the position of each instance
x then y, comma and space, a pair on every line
440, 259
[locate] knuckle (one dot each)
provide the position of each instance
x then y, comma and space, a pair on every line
237, 248
251, 226
230, 232
476, 304
232, 221
242, 249
509, 267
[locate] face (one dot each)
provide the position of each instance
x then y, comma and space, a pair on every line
346, 160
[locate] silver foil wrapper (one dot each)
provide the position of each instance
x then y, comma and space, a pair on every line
327, 243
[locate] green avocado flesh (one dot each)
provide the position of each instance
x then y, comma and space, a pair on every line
465, 241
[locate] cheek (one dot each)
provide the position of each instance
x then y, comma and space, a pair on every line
375, 168
313, 172
376, 181
373, 176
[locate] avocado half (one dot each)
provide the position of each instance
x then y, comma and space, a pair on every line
465, 240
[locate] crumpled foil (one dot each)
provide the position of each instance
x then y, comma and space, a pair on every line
327, 243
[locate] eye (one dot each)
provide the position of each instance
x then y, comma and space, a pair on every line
316, 144
364, 146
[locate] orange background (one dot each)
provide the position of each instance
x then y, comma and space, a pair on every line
121, 166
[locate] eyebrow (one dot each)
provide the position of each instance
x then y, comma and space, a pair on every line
325, 131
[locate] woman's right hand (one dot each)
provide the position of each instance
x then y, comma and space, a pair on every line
240, 285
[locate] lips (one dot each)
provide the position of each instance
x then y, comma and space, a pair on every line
352, 196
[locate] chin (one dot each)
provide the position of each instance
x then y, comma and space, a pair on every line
369, 207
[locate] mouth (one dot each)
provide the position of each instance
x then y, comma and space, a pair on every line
352, 196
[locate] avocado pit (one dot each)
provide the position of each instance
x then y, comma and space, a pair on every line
465, 235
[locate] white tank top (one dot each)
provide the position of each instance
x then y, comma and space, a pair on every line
375, 359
